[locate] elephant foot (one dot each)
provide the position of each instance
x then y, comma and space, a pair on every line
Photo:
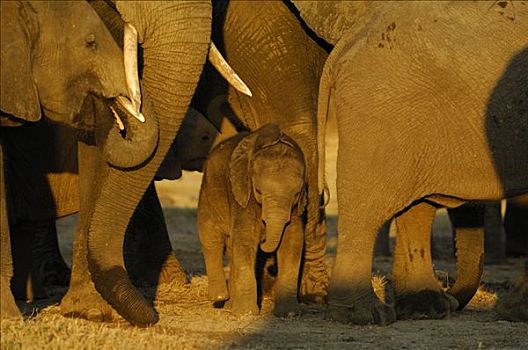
85, 302
8, 307
514, 306
425, 304
218, 292
314, 283
365, 311
286, 308
242, 307
172, 272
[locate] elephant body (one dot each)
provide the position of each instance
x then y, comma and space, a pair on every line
258, 202
272, 52
424, 119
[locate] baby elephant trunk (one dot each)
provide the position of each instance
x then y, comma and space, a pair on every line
275, 224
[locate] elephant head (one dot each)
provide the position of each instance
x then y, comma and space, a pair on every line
190, 148
270, 166
53, 56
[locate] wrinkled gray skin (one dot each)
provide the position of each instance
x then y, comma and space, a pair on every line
402, 79
43, 173
258, 201
36, 76
268, 47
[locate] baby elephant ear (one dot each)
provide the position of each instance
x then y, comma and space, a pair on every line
267, 135
239, 170
19, 96
303, 201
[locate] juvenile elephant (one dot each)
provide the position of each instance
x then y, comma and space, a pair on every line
422, 118
274, 53
258, 201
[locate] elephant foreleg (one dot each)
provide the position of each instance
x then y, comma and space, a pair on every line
24, 284
314, 284
289, 262
148, 254
8, 307
417, 292
82, 299
516, 226
49, 267
242, 279
468, 221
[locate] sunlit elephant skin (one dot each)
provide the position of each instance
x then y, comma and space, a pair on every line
258, 202
390, 123
43, 173
269, 48
37, 77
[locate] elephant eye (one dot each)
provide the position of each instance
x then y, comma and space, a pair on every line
205, 138
90, 42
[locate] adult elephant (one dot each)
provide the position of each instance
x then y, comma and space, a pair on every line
36, 80
267, 44
400, 76
175, 38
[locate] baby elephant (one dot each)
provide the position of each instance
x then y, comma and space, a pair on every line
253, 195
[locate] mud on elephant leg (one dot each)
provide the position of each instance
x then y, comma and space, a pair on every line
148, 254
418, 294
514, 306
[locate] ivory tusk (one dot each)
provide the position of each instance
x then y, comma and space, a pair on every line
219, 62
126, 104
130, 57
118, 119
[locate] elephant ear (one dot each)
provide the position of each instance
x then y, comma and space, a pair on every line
267, 135
239, 170
331, 19
19, 96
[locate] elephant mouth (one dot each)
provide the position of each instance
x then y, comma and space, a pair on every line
120, 114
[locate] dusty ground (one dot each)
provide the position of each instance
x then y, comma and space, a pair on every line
187, 320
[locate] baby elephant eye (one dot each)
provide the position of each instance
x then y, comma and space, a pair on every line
205, 138
90, 42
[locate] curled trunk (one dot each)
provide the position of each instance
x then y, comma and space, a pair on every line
175, 38
136, 144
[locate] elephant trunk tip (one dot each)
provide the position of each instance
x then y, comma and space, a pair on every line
127, 301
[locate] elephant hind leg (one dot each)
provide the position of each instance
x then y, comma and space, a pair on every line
417, 291
362, 212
